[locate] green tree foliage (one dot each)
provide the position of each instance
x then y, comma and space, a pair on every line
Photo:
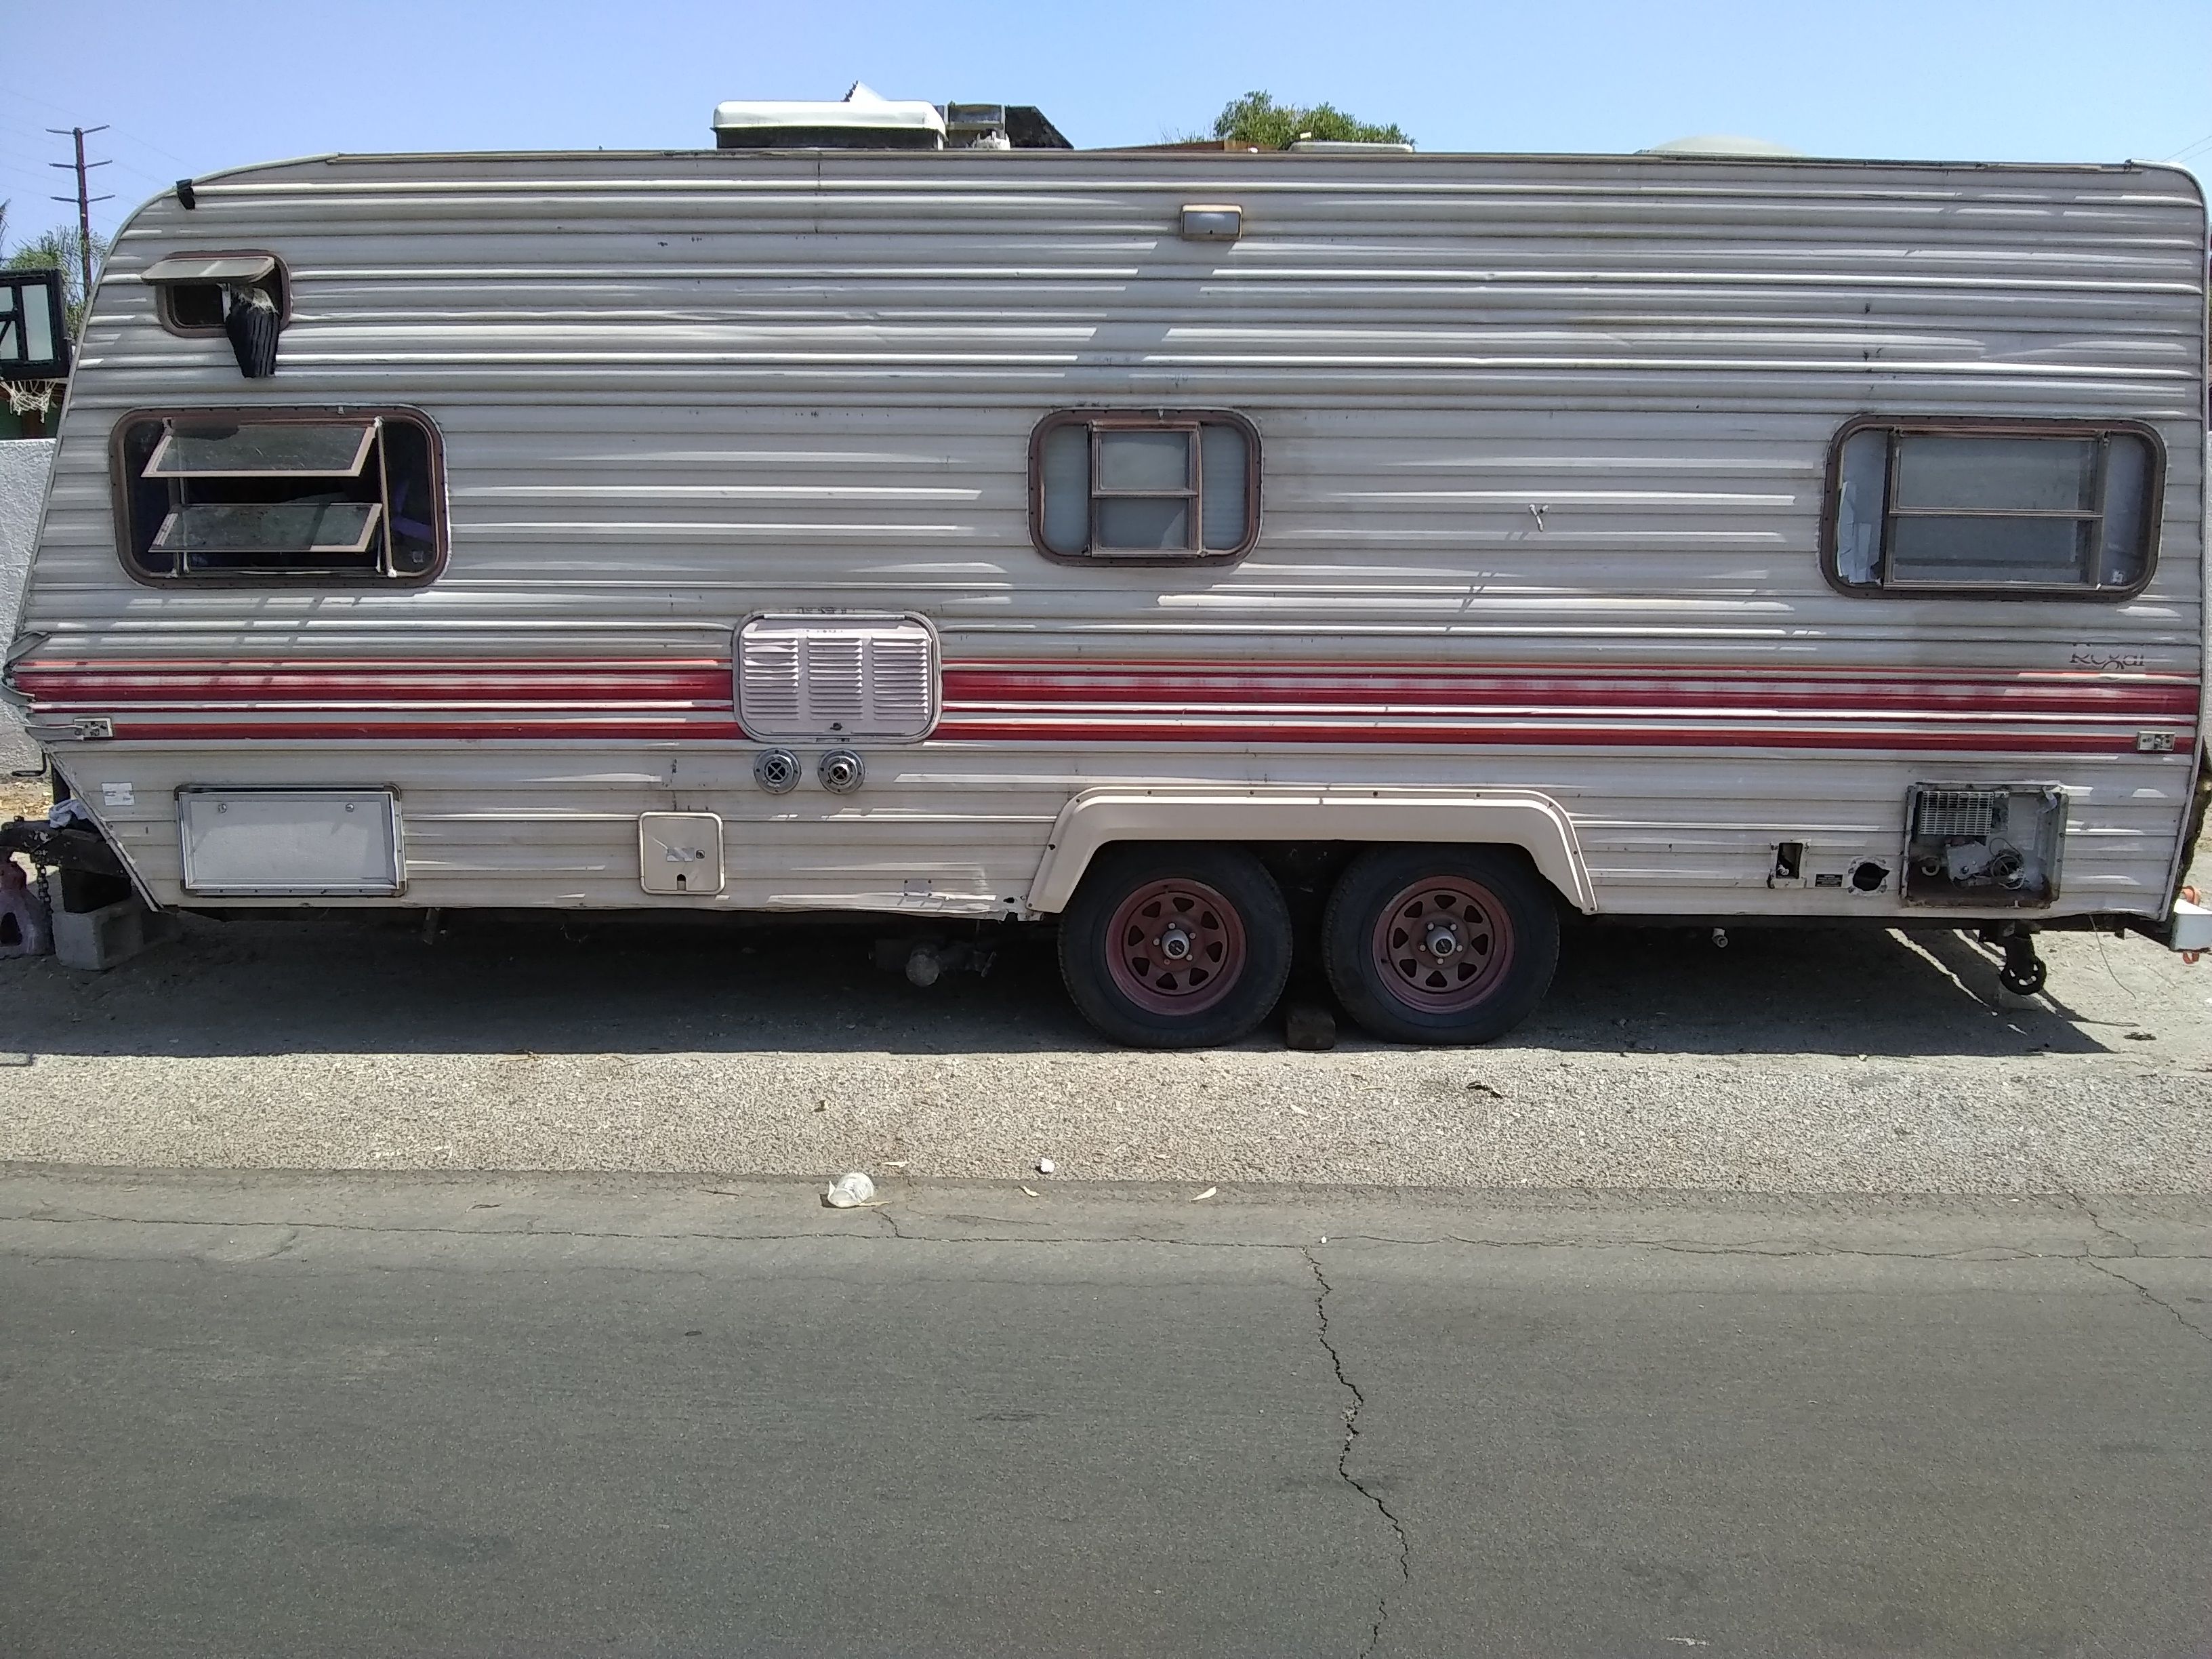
61, 247
1258, 120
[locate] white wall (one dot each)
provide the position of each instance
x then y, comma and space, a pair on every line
24, 464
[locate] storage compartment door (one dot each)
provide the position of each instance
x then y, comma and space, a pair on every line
307, 843
680, 853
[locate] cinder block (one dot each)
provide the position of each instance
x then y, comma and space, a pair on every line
109, 935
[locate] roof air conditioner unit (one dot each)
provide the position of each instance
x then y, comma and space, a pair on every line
860, 120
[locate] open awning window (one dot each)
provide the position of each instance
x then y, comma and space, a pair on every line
196, 294
280, 496
269, 528
248, 268
263, 449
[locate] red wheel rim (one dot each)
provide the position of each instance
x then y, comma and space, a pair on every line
1175, 946
1442, 945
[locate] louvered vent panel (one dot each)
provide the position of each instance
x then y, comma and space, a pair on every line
836, 681
768, 694
835, 677
1943, 813
903, 676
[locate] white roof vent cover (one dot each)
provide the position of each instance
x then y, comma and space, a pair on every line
837, 677
862, 119
1722, 143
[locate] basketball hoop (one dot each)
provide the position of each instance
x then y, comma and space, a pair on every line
30, 397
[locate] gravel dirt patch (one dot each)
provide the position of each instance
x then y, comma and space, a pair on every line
22, 798
1792, 1061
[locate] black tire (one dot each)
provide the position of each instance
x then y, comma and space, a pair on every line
1133, 1003
1397, 1002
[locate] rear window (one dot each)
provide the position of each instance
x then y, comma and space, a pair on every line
2028, 510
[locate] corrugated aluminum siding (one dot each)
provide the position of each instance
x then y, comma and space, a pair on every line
677, 389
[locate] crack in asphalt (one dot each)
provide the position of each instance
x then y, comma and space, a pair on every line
893, 1229
2149, 1295
1344, 1457
2100, 1225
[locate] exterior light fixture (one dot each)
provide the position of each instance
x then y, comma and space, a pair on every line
1211, 221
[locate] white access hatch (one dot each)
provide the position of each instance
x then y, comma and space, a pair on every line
679, 853
270, 843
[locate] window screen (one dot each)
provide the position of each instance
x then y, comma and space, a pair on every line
2029, 510
1159, 485
280, 496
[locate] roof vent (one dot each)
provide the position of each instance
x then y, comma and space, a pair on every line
976, 126
862, 119
1720, 144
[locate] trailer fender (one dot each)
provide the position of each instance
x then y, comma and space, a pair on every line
1098, 817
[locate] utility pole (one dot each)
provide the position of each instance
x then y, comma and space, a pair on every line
83, 201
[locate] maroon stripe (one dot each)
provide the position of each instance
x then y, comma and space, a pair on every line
2084, 742
1174, 684
1803, 707
630, 729
1449, 691
712, 689
621, 728
1203, 666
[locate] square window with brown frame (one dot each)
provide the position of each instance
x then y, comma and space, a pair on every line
1146, 486
2021, 509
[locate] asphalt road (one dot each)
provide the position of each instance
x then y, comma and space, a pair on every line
277, 1415
1791, 1060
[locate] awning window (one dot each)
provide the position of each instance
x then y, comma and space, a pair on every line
261, 450
269, 528
209, 268
280, 496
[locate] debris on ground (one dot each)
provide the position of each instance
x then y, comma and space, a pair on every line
1310, 1026
25, 929
849, 1191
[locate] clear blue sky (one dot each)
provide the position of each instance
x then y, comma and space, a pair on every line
185, 94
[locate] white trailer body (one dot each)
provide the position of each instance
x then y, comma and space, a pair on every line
1672, 520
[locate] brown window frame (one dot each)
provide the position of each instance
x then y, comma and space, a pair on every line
1148, 420
121, 482
1954, 426
164, 293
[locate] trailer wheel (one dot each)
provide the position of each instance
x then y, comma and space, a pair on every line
1439, 944
1175, 946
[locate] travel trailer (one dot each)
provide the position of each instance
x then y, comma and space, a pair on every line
893, 510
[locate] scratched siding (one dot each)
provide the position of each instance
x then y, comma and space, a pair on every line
675, 389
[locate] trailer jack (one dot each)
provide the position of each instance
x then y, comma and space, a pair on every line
2024, 972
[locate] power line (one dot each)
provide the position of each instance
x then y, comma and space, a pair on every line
84, 200
124, 132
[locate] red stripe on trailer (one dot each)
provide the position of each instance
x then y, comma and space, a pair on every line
617, 728
2085, 742
1166, 702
